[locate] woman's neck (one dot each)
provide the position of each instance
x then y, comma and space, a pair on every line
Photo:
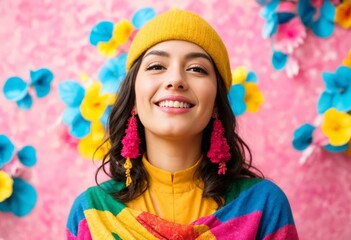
173, 154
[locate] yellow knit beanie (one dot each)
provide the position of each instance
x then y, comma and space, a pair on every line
182, 25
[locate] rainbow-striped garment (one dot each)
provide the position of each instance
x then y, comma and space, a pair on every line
254, 209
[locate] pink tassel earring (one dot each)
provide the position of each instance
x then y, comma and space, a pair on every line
130, 144
219, 148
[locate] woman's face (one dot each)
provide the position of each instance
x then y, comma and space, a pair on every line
175, 90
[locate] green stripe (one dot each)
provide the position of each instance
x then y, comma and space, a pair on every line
238, 187
116, 236
100, 198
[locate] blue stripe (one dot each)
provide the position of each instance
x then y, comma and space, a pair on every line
76, 214
264, 197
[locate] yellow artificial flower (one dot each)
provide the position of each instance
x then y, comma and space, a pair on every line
337, 127
109, 48
122, 31
253, 97
343, 14
6, 186
90, 146
94, 105
239, 75
347, 61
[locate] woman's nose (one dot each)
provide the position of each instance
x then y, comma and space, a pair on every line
177, 80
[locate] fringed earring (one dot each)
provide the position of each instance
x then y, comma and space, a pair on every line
219, 148
130, 144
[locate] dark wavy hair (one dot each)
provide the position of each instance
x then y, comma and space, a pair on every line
215, 185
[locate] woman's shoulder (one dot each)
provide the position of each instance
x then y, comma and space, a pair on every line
263, 189
98, 195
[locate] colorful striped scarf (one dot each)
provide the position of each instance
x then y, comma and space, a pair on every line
254, 209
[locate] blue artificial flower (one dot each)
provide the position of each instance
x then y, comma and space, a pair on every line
303, 137
279, 60
6, 150
337, 92
72, 94
142, 16
101, 32
306, 11
251, 77
25, 103
41, 80
112, 73
324, 25
78, 126
15, 89
269, 14
22, 200
236, 97
27, 156
336, 149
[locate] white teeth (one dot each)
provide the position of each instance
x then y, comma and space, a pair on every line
174, 104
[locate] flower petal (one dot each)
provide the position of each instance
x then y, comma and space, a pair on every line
79, 127
343, 77
142, 16
323, 27
101, 32
251, 77
71, 93
343, 15
6, 150
284, 17
336, 149
342, 101
22, 200
6, 186
122, 31
41, 80
253, 97
337, 127
239, 75
325, 102
25, 103
27, 156
306, 12
70, 114
236, 97
15, 89
303, 136
112, 74
330, 82
279, 60
328, 11
270, 27
108, 49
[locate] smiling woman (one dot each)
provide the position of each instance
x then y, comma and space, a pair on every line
178, 168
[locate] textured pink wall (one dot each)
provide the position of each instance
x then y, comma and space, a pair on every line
54, 34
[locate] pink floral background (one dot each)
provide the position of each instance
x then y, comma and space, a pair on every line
54, 34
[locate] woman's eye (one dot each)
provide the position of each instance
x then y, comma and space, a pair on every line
155, 67
198, 69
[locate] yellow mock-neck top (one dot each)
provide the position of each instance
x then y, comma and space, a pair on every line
176, 197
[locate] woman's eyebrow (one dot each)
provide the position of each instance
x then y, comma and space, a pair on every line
157, 53
198, 55
187, 56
